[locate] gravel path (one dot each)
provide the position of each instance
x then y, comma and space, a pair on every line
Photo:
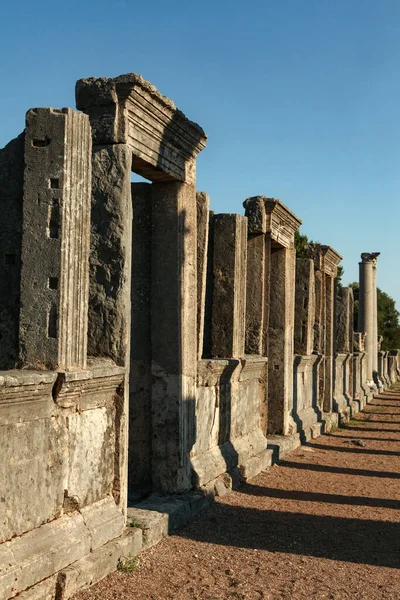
323, 524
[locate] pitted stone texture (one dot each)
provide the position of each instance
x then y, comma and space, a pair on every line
229, 294
129, 110
56, 238
110, 253
203, 211
344, 319
91, 442
304, 307
257, 293
11, 196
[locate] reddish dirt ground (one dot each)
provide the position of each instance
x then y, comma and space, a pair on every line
323, 524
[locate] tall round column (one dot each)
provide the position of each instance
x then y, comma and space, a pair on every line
367, 312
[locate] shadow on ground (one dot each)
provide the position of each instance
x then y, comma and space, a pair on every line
336, 538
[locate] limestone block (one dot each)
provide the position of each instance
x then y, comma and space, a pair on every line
203, 211
56, 239
91, 455
129, 110
110, 253
38, 554
304, 307
229, 294
95, 566
104, 521
11, 195
33, 458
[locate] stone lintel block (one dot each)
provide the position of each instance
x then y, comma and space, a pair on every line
270, 215
326, 259
55, 239
229, 294
129, 110
203, 212
304, 306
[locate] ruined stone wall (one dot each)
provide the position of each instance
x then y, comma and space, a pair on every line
145, 337
62, 429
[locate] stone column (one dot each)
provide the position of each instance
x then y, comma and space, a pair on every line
258, 279
229, 290
203, 214
304, 307
279, 223
367, 309
375, 319
55, 240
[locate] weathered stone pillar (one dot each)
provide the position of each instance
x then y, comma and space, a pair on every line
229, 293
203, 214
173, 333
280, 225
11, 201
326, 261
129, 115
258, 279
375, 318
55, 239
367, 309
304, 307
140, 382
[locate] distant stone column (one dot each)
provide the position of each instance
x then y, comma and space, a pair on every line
375, 320
367, 314
55, 239
229, 293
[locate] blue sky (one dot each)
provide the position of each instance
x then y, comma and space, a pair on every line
300, 98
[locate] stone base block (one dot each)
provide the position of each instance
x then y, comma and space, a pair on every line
98, 564
282, 445
256, 464
308, 424
158, 515
227, 457
40, 554
331, 421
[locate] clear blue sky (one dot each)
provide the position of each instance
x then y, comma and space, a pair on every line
300, 98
